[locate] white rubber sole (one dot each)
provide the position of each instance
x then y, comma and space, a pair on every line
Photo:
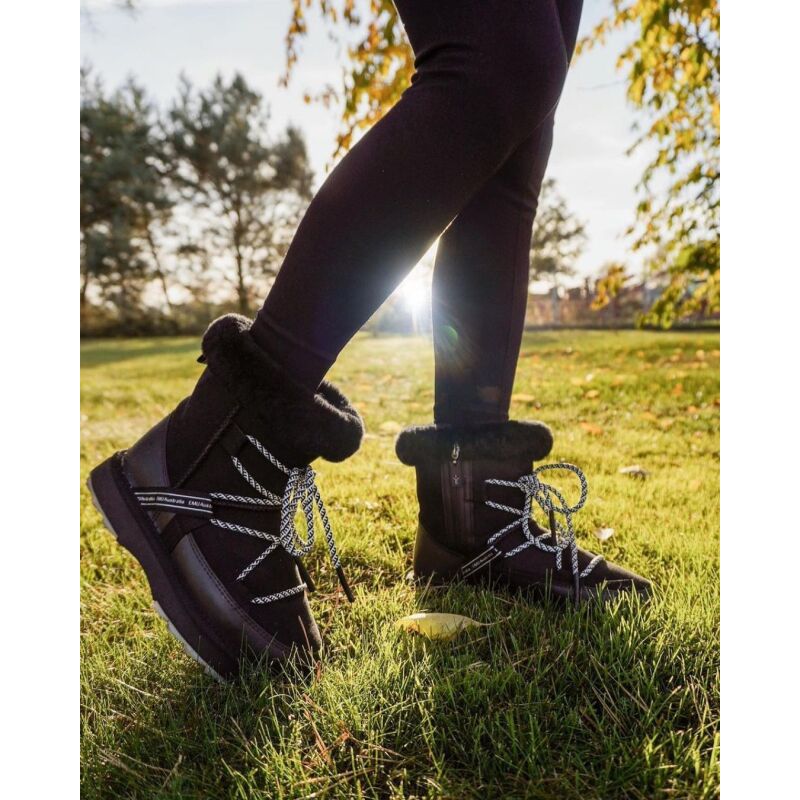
187, 648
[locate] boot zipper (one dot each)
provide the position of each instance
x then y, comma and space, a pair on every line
456, 497
456, 469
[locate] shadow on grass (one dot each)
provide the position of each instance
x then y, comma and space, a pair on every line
99, 354
502, 710
172, 742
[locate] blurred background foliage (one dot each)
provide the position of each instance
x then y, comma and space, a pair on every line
186, 212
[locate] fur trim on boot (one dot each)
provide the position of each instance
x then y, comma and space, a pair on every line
311, 424
511, 440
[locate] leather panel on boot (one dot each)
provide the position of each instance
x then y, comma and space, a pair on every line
146, 465
224, 612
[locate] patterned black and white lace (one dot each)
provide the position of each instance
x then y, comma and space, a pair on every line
560, 537
301, 491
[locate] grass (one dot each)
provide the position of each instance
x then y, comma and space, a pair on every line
590, 703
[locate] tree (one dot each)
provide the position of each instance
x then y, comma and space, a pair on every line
380, 66
252, 190
672, 71
558, 237
124, 194
673, 75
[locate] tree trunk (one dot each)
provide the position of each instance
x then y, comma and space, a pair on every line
159, 272
241, 289
84, 289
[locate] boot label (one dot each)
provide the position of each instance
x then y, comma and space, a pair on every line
192, 503
479, 562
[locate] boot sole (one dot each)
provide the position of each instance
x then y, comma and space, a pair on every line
429, 551
537, 592
134, 530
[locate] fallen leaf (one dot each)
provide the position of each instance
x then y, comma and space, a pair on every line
604, 533
700, 355
390, 426
677, 390
523, 398
436, 625
591, 429
635, 471
592, 394
649, 415
666, 423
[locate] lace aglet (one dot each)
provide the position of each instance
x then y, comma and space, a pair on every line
304, 575
345, 585
551, 515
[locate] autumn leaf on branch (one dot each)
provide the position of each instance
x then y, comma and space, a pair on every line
672, 70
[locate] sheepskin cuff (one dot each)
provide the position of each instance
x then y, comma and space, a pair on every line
504, 440
300, 421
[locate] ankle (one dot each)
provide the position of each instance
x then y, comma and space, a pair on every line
303, 363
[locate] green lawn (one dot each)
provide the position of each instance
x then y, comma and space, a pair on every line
590, 703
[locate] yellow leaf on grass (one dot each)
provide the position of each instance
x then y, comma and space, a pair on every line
436, 625
523, 398
390, 427
592, 394
635, 471
604, 533
591, 429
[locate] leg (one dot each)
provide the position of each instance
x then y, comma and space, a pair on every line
480, 280
480, 289
488, 73
470, 475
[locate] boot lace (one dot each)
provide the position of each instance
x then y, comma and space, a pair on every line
560, 537
301, 492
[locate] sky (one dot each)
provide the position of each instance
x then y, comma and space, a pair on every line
166, 38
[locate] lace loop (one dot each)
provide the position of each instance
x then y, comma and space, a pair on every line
300, 492
551, 501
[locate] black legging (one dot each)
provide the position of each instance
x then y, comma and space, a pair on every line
465, 147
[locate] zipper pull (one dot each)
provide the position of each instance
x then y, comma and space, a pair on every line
454, 460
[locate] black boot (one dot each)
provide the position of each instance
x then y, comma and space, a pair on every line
206, 500
477, 492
